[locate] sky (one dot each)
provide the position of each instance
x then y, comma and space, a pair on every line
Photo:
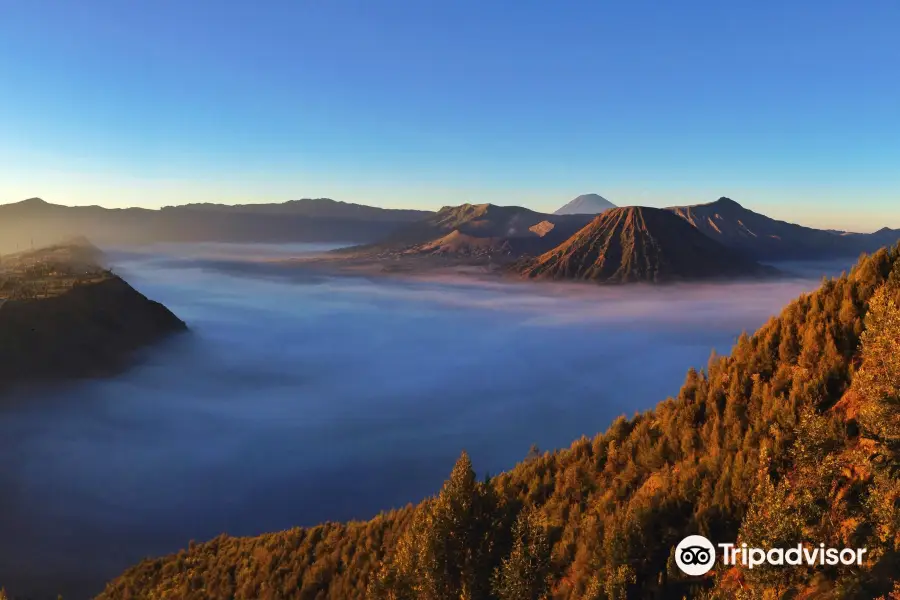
791, 108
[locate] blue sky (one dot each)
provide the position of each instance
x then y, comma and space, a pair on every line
792, 108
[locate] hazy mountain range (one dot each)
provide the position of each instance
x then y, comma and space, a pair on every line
468, 231
39, 223
321, 208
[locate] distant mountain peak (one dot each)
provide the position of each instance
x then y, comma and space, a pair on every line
466, 212
586, 204
29, 205
763, 238
467, 206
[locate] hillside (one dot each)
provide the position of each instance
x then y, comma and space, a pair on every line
763, 238
638, 244
792, 438
478, 230
586, 204
62, 315
35, 222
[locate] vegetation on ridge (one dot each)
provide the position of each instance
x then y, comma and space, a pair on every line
793, 438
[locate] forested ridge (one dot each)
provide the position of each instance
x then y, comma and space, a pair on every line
794, 437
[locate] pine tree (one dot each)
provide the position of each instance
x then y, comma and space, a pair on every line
446, 552
619, 581
878, 379
878, 384
524, 574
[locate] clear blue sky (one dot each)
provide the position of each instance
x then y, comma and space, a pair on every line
792, 108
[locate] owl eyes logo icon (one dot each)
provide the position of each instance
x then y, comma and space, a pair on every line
695, 555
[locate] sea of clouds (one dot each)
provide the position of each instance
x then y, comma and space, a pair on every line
300, 397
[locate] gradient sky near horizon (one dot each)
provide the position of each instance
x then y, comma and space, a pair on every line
791, 108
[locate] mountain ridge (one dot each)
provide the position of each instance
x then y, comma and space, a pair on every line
763, 238
482, 230
638, 244
37, 222
311, 207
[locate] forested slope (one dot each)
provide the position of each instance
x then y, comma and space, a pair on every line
794, 437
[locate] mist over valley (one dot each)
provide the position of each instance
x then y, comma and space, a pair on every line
301, 396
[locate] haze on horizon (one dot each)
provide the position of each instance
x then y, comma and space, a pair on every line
420, 105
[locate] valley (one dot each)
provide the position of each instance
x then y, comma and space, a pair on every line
251, 424
768, 444
198, 434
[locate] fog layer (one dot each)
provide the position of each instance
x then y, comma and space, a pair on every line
299, 398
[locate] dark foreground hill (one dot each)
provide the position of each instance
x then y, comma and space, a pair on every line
478, 231
63, 316
763, 238
639, 244
36, 222
792, 439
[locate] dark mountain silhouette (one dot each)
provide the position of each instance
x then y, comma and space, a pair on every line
764, 238
586, 204
479, 230
323, 208
882, 238
35, 222
62, 315
791, 439
473, 230
634, 244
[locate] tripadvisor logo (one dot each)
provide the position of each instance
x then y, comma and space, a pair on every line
696, 555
